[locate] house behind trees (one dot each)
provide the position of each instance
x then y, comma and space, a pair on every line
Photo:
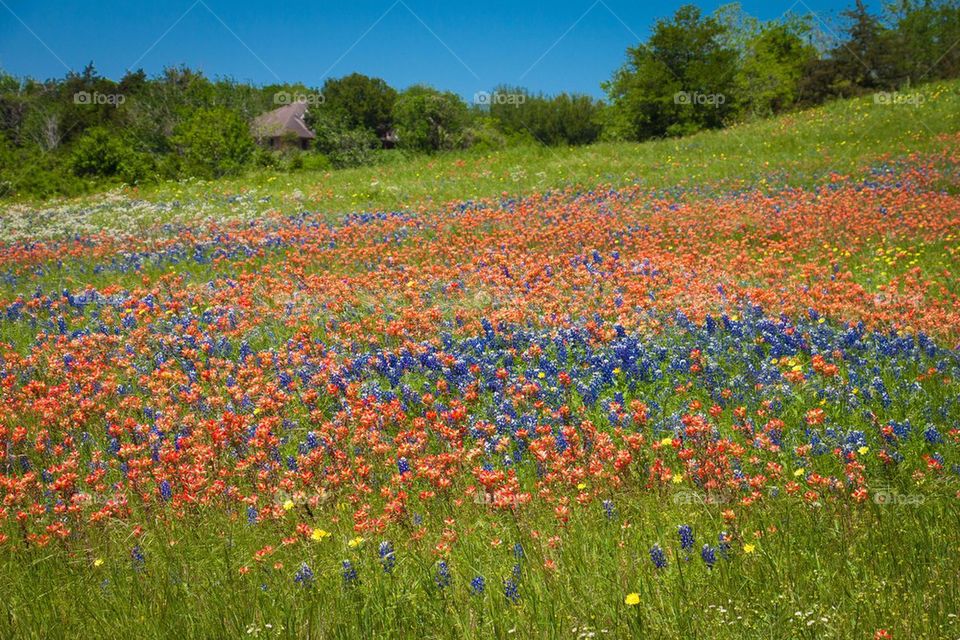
283, 128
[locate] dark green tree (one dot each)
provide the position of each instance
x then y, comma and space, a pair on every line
865, 59
429, 120
97, 153
925, 34
213, 143
682, 80
360, 102
772, 67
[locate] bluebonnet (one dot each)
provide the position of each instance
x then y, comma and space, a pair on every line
443, 578
511, 590
304, 575
609, 509
723, 544
686, 537
518, 551
165, 491
136, 555
658, 557
403, 466
709, 555
478, 585
932, 435
387, 557
252, 515
349, 574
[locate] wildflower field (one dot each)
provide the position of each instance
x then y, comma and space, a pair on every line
597, 410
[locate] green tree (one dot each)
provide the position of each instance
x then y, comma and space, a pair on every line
562, 119
680, 81
429, 120
924, 36
865, 60
772, 67
360, 102
97, 153
213, 143
342, 145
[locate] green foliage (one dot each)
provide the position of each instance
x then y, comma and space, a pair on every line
681, 81
316, 162
342, 145
429, 120
923, 39
214, 143
40, 176
565, 119
97, 153
483, 134
799, 148
768, 80
865, 59
360, 102
695, 72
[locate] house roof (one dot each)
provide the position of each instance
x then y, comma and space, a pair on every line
286, 119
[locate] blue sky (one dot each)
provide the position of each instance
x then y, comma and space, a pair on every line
563, 45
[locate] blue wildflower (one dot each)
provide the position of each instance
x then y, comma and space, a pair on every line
478, 585
136, 555
387, 557
609, 509
932, 435
349, 574
686, 537
658, 557
304, 575
709, 555
443, 578
165, 491
723, 544
511, 590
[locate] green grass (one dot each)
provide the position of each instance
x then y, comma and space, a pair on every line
831, 570
825, 572
799, 148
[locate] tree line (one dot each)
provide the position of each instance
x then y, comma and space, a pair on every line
696, 71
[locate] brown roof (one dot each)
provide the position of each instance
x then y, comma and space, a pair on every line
286, 119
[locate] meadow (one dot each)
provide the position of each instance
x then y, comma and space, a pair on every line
697, 388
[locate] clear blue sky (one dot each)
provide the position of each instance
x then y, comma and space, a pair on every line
549, 46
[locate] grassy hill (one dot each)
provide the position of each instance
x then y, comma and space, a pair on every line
796, 149
498, 421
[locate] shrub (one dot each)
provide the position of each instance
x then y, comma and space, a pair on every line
429, 120
344, 146
97, 153
213, 143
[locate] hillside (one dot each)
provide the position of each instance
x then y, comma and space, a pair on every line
719, 401
796, 149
